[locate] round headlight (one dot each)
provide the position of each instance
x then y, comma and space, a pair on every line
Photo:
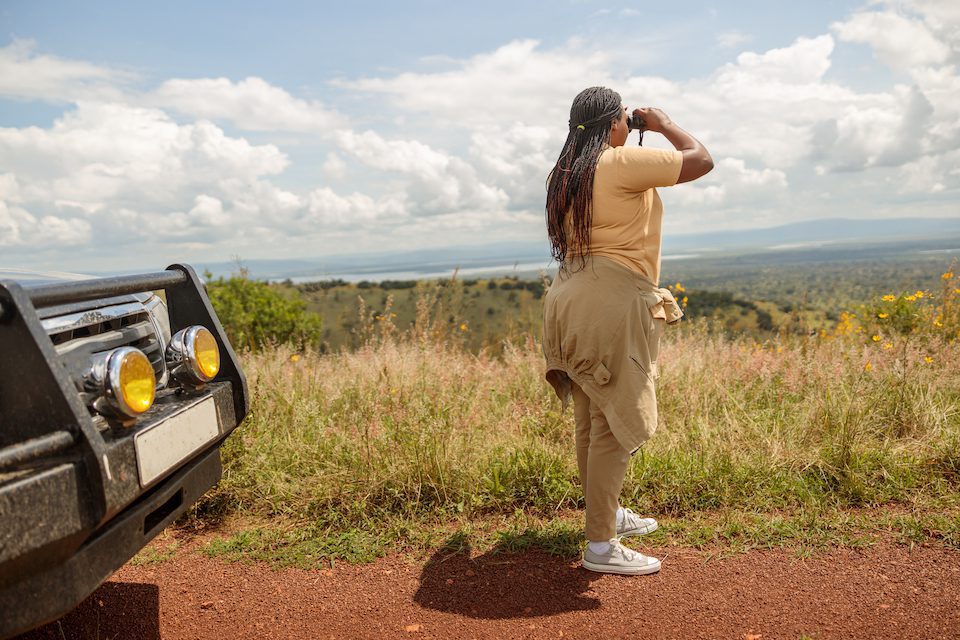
193, 355
123, 382
207, 353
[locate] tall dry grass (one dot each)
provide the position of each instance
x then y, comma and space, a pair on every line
412, 427
344, 455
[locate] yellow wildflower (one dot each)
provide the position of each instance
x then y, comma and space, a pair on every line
463, 326
684, 301
956, 290
937, 323
910, 298
868, 366
875, 338
678, 288
927, 359
947, 275
919, 294
295, 357
889, 298
888, 345
883, 315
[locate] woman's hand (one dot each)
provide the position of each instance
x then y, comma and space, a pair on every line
696, 159
654, 119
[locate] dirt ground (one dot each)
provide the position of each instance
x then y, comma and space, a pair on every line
881, 592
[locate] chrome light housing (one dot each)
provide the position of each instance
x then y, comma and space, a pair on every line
122, 382
193, 356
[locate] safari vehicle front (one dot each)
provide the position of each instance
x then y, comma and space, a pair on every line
113, 406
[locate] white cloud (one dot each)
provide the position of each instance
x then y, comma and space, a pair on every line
108, 152
208, 211
26, 75
802, 63
731, 39
334, 167
930, 174
518, 82
697, 195
122, 175
478, 136
877, 134
326, 207
18, 227
252, 104
517, 159
943, 18
918, 128
900, 42
438, 182
762, 107
116, 172
735, 171
776, 107
732, 184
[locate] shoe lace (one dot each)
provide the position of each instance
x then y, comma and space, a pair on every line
630, 517
627, 553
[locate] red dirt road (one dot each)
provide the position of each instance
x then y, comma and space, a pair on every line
882, 592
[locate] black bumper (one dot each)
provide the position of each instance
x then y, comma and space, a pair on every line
43, 597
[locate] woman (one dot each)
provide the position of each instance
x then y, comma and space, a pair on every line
604, 313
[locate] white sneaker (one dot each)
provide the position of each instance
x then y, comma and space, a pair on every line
620, 559
634, 525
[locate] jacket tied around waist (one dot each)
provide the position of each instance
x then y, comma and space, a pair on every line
601, 329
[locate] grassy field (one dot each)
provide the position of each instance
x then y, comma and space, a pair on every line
758, 294
842, 437
480, 312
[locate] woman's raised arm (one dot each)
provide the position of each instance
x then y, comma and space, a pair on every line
696, 159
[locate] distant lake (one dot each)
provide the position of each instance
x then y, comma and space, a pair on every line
428, 272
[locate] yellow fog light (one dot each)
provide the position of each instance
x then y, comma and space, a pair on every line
138, 383
122, 382
207, 353
193, 356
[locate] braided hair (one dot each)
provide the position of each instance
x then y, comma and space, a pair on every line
570, 183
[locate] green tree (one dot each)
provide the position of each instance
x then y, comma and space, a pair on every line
256, 314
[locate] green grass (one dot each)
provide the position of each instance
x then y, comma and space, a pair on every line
718, 533
807, 441
155, 554
480, 314
477, 313
301, 547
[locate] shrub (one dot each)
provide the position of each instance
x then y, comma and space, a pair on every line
255, 315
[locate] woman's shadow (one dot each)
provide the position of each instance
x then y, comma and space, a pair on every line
503, 583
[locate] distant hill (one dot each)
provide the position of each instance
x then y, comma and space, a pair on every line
815, 232
531, 256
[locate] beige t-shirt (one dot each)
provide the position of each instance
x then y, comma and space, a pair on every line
627, 210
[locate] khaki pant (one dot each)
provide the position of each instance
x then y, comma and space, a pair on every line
603, 465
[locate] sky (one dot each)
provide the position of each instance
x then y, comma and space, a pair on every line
135, 135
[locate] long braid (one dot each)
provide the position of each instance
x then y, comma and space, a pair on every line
570, 184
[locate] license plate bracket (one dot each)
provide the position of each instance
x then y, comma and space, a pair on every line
163, 446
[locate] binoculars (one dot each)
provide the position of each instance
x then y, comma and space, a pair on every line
636, 122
